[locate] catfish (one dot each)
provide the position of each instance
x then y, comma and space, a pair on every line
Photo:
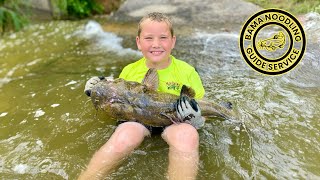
141, 102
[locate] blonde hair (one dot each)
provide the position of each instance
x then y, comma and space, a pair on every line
156, 16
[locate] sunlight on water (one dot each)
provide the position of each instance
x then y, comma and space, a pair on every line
49, 128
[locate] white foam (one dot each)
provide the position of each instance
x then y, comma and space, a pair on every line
39, 113
39, 143
237, 128
3, 114
55, 105
105, 40
13, 36
20, 168
70, 83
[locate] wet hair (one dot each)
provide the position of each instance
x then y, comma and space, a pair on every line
156, 16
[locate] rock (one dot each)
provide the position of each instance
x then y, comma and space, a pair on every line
188, 12
38, 4
109, 5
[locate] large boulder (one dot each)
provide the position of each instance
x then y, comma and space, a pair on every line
189, 12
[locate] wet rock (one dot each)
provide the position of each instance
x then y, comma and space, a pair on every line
191, 13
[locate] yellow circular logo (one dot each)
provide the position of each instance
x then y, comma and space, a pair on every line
272, 41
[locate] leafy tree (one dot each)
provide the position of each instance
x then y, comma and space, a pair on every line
11, 16
76, 9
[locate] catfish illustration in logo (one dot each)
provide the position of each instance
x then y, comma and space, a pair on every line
273, 43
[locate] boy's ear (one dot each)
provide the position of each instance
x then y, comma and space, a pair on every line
173, 41
138, 42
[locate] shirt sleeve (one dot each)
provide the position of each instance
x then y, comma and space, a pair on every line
124, 72
196, 84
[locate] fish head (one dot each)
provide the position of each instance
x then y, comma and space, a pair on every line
121, 97
107, 93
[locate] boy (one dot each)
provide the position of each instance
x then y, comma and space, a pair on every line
155, 40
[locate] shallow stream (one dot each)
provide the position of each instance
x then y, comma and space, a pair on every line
49, 129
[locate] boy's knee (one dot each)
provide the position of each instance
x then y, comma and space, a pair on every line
182, 137
128, 136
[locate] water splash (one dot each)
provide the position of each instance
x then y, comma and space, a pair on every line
104, 40
20, 168
307, 73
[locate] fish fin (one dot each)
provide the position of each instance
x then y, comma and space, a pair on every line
172, 118
187, 91
151, 79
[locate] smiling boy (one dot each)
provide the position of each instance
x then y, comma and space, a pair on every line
155, 40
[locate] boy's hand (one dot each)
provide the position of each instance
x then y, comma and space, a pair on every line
189, 111
90, 83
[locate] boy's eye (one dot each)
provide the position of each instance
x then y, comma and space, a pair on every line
148, 38
163, 37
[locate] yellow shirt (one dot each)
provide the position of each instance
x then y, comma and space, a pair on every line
171, 79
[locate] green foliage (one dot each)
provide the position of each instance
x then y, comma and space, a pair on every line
76, 8
11, 16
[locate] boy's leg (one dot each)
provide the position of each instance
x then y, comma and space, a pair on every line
183, 140
123, 141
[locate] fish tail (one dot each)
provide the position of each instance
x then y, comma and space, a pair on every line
212, 109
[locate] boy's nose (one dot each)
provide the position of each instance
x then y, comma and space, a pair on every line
156, 43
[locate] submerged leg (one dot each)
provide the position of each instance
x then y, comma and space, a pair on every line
183, 140
123, 141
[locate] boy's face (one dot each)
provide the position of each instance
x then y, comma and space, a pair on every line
155, 41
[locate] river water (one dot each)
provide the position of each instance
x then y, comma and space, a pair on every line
49, 128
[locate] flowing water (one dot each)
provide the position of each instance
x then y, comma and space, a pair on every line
49, 128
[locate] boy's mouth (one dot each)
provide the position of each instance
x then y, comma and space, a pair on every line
156, 52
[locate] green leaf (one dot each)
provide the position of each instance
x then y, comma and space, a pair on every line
16, 20
1, 16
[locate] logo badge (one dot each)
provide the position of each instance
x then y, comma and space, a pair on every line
272, 42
